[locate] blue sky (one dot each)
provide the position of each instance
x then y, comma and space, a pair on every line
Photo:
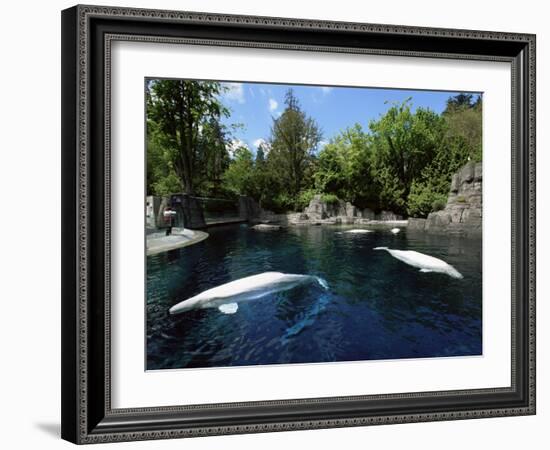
334, 108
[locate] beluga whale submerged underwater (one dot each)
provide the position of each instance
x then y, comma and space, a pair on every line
227, 296
358, 231
425, 263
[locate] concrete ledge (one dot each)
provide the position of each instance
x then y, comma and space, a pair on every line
159, 243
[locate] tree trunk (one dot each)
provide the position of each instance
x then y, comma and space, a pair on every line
184, 149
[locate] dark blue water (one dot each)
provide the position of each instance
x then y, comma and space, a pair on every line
376, 307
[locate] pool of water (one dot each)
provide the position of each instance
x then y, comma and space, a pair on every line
376, 307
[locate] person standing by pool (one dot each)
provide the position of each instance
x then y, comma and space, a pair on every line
168, 215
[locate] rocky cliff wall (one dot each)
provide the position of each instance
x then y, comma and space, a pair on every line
462, 214
320, 212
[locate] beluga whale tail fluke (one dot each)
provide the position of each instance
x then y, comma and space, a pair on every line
228, 296
322, 282
425, 263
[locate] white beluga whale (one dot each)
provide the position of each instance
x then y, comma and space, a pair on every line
395, 230
425, 263
227, 296
358, 231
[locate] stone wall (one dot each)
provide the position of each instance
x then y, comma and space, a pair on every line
249, 210
189, 212
152, 211
462, 214
318, 209
320, 212
190, 207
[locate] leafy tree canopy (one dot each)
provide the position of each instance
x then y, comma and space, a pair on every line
403, 162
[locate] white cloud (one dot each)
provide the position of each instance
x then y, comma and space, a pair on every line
259, 142
234, 145
266, 145
273, 105
322, 144
235, 92
326, 89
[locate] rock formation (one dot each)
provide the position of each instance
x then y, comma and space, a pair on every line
462, 214
320, 212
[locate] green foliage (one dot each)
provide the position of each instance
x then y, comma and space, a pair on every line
434, 182
463, 117
391, 190
423, 199
403, 162
183, 119
212, 158
161, 176
344, 168
239, 176
460, 142
281, 202
404, 143
303, 199
379, 169
460, 101
439, 204
280, 177
406, 162
331, 199
294, 139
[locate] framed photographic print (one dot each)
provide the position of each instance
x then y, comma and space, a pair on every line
267, 222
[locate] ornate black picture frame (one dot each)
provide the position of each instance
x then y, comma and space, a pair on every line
87, 34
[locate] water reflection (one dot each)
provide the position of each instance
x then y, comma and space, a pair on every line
376, 308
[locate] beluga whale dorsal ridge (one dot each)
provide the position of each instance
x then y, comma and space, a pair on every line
227, 296
425, 263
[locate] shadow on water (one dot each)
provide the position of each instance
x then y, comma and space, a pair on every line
376, 307
306, 319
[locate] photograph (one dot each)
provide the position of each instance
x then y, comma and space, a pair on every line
291, 219
301, 224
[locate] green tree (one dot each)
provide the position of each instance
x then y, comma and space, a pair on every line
264, 178
260, 154
161, 176
404, 143
463, 116
213, 157
294, 139
460, 143
344, 168
460, 101
239, 176
180, 111
406, 161
431, 188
